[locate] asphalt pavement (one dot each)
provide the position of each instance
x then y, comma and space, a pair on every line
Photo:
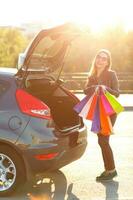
77, 180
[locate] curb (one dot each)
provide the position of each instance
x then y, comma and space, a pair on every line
128, 108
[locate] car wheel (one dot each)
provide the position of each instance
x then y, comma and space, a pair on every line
11, 170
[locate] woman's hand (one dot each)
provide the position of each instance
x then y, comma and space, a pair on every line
99, 88
103, 87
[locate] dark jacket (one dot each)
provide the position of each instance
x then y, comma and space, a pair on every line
107, 78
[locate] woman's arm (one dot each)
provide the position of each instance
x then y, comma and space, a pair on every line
114, 89
89, 87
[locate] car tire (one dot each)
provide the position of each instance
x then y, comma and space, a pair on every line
12, 172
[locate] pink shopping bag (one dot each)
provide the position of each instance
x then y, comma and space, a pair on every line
107, 106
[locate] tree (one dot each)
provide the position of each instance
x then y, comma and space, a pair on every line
12, 42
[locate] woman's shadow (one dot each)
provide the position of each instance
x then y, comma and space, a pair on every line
71, 196
49, 186
111, 189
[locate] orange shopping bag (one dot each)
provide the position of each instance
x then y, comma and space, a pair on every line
106, 126
92, 108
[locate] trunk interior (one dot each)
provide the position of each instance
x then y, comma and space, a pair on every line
59, 100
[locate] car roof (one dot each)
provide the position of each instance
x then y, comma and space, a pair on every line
7, 72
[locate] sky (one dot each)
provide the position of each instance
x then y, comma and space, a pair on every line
98, 14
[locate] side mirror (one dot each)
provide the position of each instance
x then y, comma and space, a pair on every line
21, 59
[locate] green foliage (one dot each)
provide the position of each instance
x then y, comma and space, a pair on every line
83, 49
12, 42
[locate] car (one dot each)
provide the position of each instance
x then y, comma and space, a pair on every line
39, 129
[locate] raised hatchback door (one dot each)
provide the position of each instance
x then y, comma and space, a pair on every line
47, 51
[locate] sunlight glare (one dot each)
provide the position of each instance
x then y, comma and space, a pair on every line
94, 13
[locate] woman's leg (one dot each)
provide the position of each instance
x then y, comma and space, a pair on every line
107, 153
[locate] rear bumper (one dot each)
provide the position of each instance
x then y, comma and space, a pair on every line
65, 157
67, 153
69, 156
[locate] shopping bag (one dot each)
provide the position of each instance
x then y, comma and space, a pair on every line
96, 127
106, 126
107, 106
78, 107
117, 107
92, 107
86, 108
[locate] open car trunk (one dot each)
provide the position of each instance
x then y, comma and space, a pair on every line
48, 54
59, 100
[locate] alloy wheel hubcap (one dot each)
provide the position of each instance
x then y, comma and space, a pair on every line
7, 172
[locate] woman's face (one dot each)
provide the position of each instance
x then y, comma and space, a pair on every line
101, 60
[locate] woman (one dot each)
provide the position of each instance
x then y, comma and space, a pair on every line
102, 77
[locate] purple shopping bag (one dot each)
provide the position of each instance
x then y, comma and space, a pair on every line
86, 108
78, 107
96, 127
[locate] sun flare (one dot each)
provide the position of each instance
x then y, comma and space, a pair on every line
96, 14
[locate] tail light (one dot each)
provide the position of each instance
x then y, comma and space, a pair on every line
30, 105
46, 156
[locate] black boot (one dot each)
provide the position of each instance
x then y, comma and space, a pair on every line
105, 176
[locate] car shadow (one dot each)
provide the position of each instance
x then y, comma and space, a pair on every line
70, 194
49, 186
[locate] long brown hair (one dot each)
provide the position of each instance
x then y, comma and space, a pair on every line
93, 66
